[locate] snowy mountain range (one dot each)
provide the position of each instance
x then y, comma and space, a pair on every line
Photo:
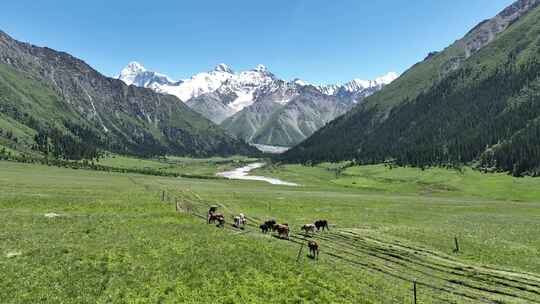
241, 85
257, 106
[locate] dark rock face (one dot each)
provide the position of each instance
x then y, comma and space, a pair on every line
431, 55
487, 30
134, 120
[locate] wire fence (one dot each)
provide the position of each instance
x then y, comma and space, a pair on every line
421, 276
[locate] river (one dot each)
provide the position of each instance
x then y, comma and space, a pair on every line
243, 174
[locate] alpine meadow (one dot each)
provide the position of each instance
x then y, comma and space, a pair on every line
296, 182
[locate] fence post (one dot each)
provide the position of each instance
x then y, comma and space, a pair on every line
456, 243
177, 207
163, 195
414, 290
299, 253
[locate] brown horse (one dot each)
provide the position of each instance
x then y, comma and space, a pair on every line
211, 212
313, 249
282, 230
215, 217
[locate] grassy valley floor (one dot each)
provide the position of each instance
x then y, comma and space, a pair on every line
78, 236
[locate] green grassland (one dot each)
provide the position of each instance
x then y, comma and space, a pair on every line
495, 215
180, 165
413, 181
115, 241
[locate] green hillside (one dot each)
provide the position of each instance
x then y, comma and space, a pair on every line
449, 109
52, 103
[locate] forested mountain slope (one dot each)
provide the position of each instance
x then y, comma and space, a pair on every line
478, 100
54, 103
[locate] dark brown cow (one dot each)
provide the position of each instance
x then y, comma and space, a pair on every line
313, 249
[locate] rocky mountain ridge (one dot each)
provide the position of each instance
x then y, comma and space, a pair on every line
255, 102
73, 109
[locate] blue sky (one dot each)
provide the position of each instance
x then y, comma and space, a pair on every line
321, 41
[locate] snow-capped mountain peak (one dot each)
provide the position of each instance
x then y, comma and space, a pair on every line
387, 79
300, 82
134, 66
330, 89
358, 85
241, 86
261, 68
130, 72
136, 74
237, 91
222, 67
199, 84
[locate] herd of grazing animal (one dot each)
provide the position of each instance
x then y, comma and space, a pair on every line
317, 226
282, 229
271, 225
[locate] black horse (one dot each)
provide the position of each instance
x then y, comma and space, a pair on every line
322, 224
270, 224
264, 228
